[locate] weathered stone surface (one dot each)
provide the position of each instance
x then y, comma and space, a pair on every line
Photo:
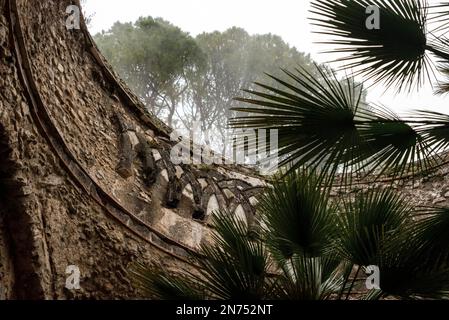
85, 174
79, 188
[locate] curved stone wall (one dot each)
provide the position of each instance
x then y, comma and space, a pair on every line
94, 185
85, 174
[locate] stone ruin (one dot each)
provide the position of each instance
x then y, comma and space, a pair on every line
86, 179
85, 175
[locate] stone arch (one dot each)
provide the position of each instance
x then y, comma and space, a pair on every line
240, 214
212, 205
82, 149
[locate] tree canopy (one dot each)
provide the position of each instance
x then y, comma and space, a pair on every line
183, 79
153, 57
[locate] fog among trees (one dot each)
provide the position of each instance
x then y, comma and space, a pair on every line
183, 79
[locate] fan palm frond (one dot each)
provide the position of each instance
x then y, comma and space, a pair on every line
298, 216
432, 232
305, 278
368, 221
324, 127
301, 112
394, 53
443, 85
438, 16
393, 146
378, 230
434, 128
237, 266
409, 271
412, 256
439, 46
156, 283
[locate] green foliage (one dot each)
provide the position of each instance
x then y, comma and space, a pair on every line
307, 223
414, 263
358, 138
300, 112
307, 247
152, 56
183, 79
308, 243
236, 266
368, 221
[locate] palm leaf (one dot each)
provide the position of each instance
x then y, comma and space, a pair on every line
300, 113
298, 217
324, 127
434, 128
412, 256
305, 278
392, 146
367, 221
156, 283
409, 271
438, 16
236, 266
443, 85
439, 46
395, 53
432, 232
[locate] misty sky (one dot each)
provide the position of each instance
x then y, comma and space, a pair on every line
287, 18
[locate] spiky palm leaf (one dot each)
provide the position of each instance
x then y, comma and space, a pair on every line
237, 266
439, 45
438, 16
366, 222
391, 145
378, 229
298, 216
306, 278
432, 232
301, 112
157, 283
433, 127
395, 53
300, 227
409, 271
324, 126
443, 85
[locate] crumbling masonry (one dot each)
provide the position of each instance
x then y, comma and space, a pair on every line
85, 174
86, 178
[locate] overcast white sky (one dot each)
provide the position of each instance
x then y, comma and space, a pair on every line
287, 18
